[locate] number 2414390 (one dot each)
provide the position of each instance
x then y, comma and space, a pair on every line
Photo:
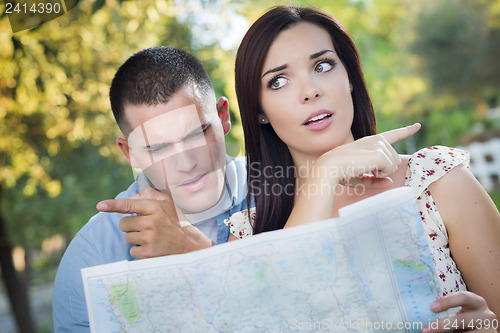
34, 8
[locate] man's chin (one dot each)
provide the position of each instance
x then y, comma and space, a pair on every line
195, 210
197, 204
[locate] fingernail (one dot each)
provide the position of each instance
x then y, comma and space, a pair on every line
435, 306
101, 206
135, 196
425, 329
416, 124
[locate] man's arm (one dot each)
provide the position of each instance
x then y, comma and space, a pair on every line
68, 300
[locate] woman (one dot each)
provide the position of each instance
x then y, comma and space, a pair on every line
305, 107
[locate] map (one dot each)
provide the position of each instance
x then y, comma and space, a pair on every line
369, 270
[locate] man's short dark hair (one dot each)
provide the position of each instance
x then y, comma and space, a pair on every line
151, 77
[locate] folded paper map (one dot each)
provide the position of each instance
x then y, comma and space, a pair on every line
369, 270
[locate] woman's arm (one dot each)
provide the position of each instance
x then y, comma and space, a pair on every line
473, 225
232, 238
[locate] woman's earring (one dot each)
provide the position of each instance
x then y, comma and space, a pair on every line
262, 119
350, 89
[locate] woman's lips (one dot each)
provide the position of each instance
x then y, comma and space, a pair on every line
318, 121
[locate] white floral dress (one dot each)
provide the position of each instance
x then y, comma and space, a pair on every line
424, 167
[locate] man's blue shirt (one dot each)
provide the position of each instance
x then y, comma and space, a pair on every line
101, 241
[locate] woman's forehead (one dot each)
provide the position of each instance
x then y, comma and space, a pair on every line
299, 41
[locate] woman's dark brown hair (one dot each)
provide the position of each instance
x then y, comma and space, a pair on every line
273, 191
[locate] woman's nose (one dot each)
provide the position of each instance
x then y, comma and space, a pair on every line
310, 91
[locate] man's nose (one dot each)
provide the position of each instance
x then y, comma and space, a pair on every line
185, 157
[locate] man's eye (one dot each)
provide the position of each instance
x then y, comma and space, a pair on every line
154, 149
323, 66
203, 131
277, 83
196, 134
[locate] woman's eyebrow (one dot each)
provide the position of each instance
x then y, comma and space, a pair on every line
320, 53
312, 56
276, 69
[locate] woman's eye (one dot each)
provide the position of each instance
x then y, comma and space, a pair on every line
277, 83
324, 66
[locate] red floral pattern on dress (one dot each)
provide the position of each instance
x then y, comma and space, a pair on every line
424, 167
240, 224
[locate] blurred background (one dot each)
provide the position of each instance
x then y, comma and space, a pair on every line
432, 61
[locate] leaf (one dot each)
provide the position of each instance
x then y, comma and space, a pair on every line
98, 4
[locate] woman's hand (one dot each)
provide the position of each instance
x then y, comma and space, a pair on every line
473, 316
348, 164
374, 155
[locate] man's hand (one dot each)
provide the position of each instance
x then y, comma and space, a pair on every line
159, 228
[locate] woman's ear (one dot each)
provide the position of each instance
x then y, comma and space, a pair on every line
262, 119
223, 113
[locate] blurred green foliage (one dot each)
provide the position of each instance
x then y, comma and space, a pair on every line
495, 196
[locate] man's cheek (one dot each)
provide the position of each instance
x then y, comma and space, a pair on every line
157, 175
141, 158
217, 153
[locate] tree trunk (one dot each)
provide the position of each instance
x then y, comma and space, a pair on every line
16, 290
25, 275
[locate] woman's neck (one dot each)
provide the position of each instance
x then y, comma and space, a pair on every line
304, 165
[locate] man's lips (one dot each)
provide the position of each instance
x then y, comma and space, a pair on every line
192, 180
194, 184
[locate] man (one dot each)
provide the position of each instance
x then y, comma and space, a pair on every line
164, 104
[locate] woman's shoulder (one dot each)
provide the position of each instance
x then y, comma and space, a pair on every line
241, 223
441, 153
430, 164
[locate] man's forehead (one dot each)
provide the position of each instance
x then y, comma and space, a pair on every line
172, 118
137, 114
172, 125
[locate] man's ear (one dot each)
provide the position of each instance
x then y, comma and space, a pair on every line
125, 148
223, 113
